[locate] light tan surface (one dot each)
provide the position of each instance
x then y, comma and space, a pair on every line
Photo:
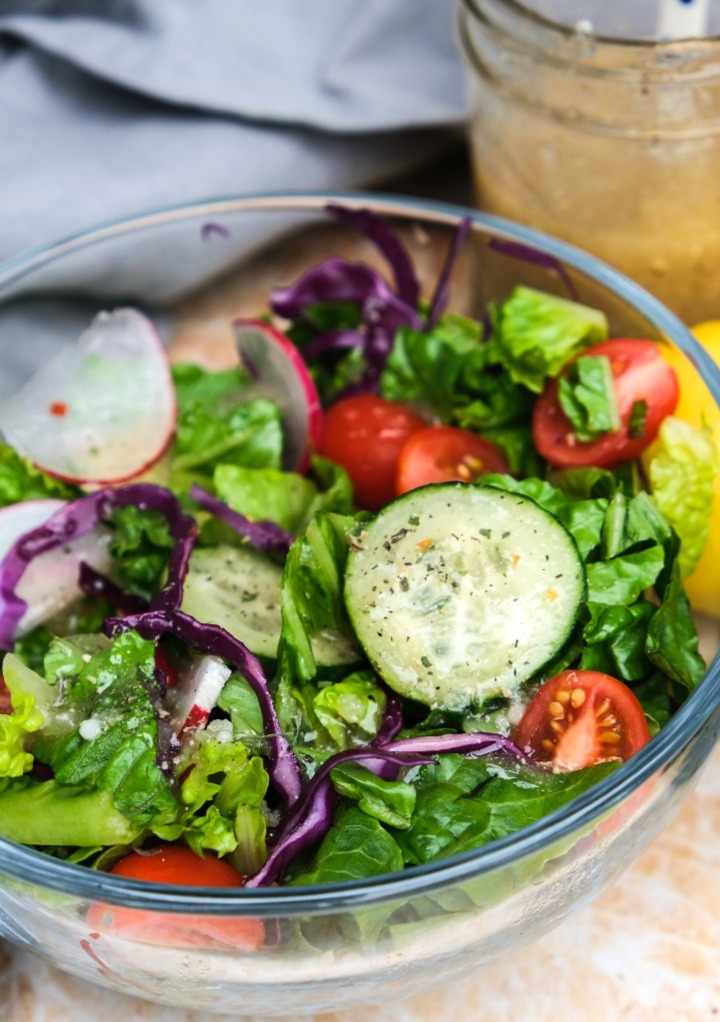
648, 950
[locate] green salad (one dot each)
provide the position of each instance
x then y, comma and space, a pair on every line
394, 586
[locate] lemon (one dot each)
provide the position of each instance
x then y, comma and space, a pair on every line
698, 408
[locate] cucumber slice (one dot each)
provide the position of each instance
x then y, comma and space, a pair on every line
460, 593
239, 589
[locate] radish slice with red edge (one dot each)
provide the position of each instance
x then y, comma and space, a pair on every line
193, 699
280, 374
50, 582
103, 410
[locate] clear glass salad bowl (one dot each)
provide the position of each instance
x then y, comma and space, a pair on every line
193, 268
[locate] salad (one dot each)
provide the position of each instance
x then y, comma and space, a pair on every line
396, 585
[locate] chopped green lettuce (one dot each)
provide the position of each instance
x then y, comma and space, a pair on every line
350, 711
218, 423
682, 466
113, 747
26, 719
456, 374
287, 498
536, 334
21, 480
141, 545
587, 397
46, 813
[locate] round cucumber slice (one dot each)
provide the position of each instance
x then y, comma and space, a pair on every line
460, 593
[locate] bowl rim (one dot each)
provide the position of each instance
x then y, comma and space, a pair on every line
27, 864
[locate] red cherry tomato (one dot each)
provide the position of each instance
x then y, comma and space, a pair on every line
639, 374
580, 718
176, 864
5, 701
365, 435
441, 454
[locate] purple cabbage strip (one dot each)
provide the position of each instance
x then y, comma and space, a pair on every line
311, 817
265, 536
333, 340
209, 229
478, 743
528, 254
76, 519
442, 288
339, 280
94, 583
386, 241
213, 640
392, 722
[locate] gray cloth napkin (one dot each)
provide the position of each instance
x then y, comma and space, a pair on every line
113, 107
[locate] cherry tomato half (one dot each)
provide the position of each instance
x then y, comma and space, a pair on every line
177, 864
639, 374
441, 454
580, 718
365, 435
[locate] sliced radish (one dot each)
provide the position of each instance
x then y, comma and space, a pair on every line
193, 699
50, 582
103, 410
281, 375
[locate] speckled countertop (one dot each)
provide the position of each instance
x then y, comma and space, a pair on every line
647, 950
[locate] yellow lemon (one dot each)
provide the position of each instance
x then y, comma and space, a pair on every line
698, 408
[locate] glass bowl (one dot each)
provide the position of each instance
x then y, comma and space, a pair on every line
193, 268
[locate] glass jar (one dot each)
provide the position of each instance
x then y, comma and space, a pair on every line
584, 126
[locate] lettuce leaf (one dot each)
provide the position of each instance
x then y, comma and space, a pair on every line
115, 748
356, 847
222, 794
21, 480
46, 813
587, 397
26, 719
390, 802
454, 372
536, 334
349, 712
141, 545
682, 465
286, 498
218, 422
311, 592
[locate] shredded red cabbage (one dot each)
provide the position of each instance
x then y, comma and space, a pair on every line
211, 639
209, 229
442, 288
332, 340
478, 743
528, 254
266, 536
387, 241
339, 280
94, 583
76, 519
392, 722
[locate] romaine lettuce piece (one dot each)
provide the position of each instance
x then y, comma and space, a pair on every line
682, 465
535, 334
46, 813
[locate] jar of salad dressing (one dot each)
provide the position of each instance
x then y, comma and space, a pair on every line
584, 124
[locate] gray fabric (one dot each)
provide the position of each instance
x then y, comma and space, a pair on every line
112, 107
